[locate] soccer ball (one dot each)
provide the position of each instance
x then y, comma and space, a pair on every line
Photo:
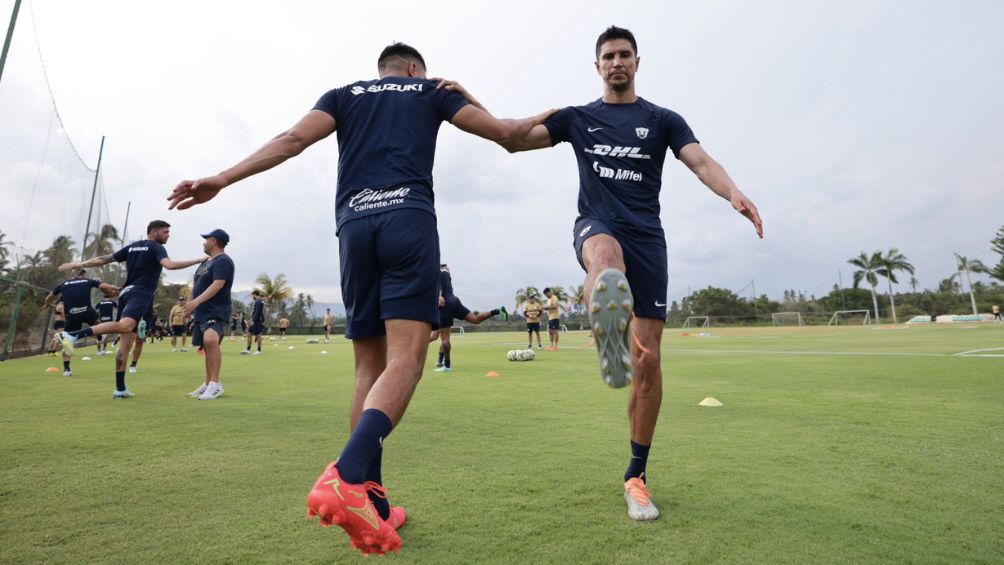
521, 355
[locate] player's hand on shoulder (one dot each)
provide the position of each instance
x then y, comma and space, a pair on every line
451, 85
188, 193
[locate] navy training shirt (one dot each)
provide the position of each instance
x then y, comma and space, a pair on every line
387, 131
620, 149
445, 283
219, 268
106, 309
143, 268
76, 295
258, 311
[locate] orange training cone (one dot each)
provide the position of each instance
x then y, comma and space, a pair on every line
493, 374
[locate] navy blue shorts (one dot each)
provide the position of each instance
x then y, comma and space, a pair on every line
138, 307
453, 308
201, 327
75, 322
390, 271
532, 327
256, 328
645, 261
554, 324
59, 325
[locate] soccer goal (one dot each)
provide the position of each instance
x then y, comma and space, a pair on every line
850, 317
457, 329
787, 319
697, 322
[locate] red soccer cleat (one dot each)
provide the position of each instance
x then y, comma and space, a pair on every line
397, 517
349, 506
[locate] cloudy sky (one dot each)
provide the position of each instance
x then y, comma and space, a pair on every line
854, 126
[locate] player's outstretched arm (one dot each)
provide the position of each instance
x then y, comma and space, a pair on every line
537, 137
49, 298
713, 175
482, 124
92, 262
311, 128
173, 265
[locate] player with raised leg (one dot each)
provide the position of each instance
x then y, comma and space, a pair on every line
620, 143
450, 308
76, 294
389, 254
145, 260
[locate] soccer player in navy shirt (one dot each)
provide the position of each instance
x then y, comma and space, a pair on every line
145, 260
451, 308
76, 293
257, 325
620, 142
389, 255
106, 313
210, 309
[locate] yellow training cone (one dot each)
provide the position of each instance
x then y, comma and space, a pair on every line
493, 374
710, 401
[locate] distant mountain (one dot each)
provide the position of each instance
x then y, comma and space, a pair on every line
317, 311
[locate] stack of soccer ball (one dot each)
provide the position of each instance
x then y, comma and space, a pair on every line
521, 355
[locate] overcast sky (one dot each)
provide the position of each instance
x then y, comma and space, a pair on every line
854, 126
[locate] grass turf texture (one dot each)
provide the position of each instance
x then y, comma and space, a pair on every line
834, 445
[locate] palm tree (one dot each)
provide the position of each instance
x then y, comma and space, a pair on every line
576, 300
275, 291
967, 266
914, 283
4, 252
524, 294
891, 262
868, 270
103, 242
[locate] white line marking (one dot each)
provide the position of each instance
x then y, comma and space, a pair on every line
967, 353
860, 353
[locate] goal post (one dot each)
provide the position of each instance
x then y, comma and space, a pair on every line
787, 319
697, 322
458, 329
850, 316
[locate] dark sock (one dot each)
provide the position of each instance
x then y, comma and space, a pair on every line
120, 380
446, 358
440, 360
86, 332
66, 365
363, 445
496, 312
259, 347
373, 474
133, 364
639, 457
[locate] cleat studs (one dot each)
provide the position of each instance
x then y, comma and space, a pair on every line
601, 286
622, 285
627, 305
612, 305
622, 325
595, 307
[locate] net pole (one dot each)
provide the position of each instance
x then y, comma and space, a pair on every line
13, 322
10, 35
94, 190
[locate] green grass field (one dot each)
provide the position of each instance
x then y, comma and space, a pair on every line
836, 445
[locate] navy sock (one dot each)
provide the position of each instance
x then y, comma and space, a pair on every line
133, 364
66, 365
363, 445
639, 457
373, 474
446, 358
86, 332
440, 360
496, 312
120, 380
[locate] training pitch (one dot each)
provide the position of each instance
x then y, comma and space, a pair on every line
837, 445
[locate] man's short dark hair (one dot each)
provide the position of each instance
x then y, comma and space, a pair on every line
546, 290
399, 51
256, 292
156, 225
612, 33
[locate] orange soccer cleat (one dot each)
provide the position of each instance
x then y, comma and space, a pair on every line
397, 517
349, 506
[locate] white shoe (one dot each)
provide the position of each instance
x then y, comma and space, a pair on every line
639, 501
184, 350
67, 373
245, 352
213, 391
198, 392
174, 350
256, 353
133, 369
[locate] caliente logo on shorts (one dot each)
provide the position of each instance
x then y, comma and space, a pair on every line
367, 198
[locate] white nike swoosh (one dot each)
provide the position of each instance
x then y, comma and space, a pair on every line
659, 305
591, 130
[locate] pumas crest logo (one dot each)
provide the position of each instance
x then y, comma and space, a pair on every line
642, 132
